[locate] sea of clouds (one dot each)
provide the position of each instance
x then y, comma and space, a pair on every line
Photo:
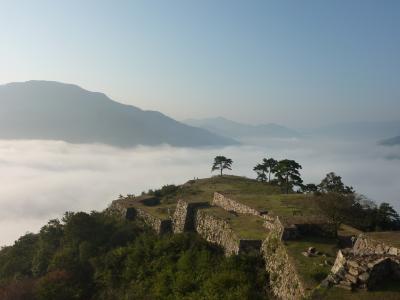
40, 180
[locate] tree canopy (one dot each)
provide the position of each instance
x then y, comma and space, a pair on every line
288, 174
98, 256
265, 167
222, 163
333, 183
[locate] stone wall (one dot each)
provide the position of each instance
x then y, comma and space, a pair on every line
159, 225
217, 231
283, 279
364, 245
121, 209
232, 205
184, 215
294, 229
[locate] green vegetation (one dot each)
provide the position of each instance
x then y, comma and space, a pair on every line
96, 256
222, 163
288, 174
389, 290
266, 167
312, 270
391, 238
244, 226
332, 183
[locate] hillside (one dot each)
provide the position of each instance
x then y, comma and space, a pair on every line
391, 142
228, 128
57, 111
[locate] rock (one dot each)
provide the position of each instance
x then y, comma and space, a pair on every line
363, 277
306, 254
345, 285
353, 271
326, 283
352, 263
346, 251
370, 265
362, 286
379, 250
393, 251
327, 263
311, 250
362, 268
351, 278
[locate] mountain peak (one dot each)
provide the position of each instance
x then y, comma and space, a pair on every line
39, 109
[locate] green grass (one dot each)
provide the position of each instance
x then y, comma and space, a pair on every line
261, 196
246, 227
279, 204
390, 290
346, 230
312, 270
391, 238
258, 195
158, 211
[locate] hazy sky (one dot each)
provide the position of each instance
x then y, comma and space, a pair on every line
293, 62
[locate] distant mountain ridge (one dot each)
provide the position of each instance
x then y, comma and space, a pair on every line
391, 142
58, 111
236, 130
356, 130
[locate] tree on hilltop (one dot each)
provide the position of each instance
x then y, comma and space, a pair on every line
265, 167
387, 217
310, 188
221, 163
287, 173
336, 207
332, 183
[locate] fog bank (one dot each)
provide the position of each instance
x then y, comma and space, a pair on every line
43, 179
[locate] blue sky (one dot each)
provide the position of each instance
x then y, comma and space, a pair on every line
299, 63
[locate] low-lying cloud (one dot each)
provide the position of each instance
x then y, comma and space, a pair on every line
43, 179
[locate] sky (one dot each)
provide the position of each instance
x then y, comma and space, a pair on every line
297, 63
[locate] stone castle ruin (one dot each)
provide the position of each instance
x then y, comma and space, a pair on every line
361, 267
366, 265
211, 221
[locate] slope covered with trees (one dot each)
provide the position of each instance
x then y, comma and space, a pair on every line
96, 256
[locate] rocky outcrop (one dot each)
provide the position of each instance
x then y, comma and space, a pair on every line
363, 271
365, 265
283, 279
